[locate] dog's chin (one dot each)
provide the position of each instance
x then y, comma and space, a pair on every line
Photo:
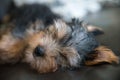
45, 65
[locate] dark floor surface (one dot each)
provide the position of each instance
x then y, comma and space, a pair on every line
109, 20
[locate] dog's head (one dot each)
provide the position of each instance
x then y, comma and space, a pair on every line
59, 44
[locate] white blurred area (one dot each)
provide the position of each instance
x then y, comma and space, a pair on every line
70, 8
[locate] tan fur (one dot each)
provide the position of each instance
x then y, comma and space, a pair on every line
92, 28
6, 18
47, 63
102, 54
10, 49
72, 56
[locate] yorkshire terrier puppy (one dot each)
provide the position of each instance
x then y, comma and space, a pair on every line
40, 38
59, 45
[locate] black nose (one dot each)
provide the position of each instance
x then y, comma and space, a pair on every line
39, 51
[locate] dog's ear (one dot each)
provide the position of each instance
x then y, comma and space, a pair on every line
95, 30
101, 54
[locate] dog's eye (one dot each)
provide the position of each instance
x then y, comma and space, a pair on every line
39, 51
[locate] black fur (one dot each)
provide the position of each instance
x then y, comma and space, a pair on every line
80, 39
6, 7
22, 16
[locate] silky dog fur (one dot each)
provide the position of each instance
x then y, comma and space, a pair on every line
37, 36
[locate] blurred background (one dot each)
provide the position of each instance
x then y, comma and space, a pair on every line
102, 13
73, 8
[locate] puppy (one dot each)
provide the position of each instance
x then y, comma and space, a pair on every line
43, 40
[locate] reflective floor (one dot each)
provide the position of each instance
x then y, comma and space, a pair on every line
109, 20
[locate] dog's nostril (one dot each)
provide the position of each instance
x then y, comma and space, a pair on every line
39, 51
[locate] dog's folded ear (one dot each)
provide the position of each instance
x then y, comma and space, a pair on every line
95, 30
101, 55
